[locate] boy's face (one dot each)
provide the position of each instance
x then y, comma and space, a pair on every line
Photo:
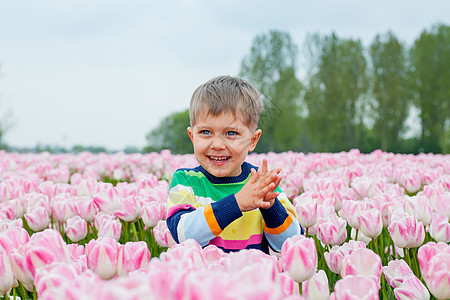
221, 143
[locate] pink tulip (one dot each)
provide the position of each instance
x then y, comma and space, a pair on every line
355, 287
396, 272
132, 256
382, 202
299, 257
162, 234
5, 224
20, 268
419, 207
363, 262
350, 211
101, 217
411, 289
147, 181
108, 201
212, 253
47, 188
6, 272
406, 231
33, 200
130, 209
78, 257
44, 248
370, 223
237, 261
76, 228
12, 209
441, 203
352, 172
159, 193
288, 285
306, 213
75, 251
189, 251
86, 188
332, 230
316, 287
440, 228
13, 237
111, 228
63, 207
364, 187
102, 255
5, 191
434, 260
357, 235
52, 276
38, 218
152, 213
412, 182
334, 257
86, 208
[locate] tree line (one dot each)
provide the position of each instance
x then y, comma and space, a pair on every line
349, 96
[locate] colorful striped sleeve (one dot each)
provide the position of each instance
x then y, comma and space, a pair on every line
280, 222
189, 219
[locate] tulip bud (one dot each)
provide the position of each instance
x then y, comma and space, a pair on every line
299, 257
102, 255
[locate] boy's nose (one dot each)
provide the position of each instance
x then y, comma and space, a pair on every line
217, 143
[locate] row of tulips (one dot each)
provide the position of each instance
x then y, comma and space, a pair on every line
364, 214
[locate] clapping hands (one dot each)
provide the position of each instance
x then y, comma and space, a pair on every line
259, 191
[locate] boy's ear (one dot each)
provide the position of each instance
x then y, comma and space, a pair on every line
254, 140
191, 136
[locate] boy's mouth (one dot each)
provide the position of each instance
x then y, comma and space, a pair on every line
219, 159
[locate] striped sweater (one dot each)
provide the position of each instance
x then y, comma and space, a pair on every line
203, 207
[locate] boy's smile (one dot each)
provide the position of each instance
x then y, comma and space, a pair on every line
221, 143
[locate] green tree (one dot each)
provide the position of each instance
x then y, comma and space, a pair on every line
270, 67
171, 134
430, 57
389, 89
336, 95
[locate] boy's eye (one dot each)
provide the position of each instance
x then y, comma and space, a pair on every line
231, 133
205, 132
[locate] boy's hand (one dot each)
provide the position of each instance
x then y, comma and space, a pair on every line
258, 192
270, 197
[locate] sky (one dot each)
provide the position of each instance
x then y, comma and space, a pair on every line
105, 73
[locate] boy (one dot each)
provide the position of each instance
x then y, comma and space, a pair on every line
225, 201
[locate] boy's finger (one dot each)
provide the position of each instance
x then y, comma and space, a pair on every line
278, 180
264, 166
268, 188
253, 176
271, 196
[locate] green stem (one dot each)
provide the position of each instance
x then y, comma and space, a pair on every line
375, 245
23, 292
300, 288
125, 231
416, 263
356, 234
135, 234
407, 258
34, 293
141, 229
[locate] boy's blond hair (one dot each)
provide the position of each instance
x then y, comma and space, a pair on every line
226, 94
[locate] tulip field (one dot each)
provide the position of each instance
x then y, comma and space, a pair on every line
92, 226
